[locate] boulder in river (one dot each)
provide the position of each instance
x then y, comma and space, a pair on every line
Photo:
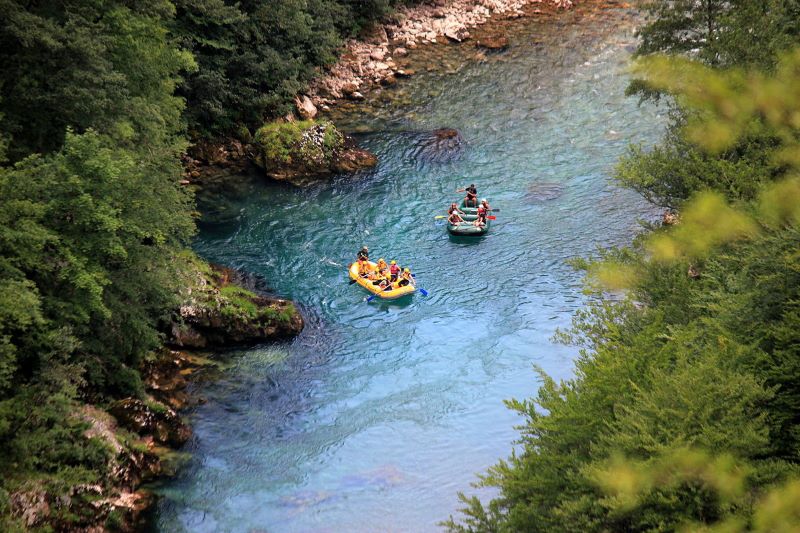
302, 153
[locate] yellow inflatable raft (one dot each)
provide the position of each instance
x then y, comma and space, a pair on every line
392, 294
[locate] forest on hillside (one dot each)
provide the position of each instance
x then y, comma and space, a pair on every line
98, 100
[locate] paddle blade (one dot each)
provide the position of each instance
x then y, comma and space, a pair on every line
371, 298
423, 291
490, 217
439, 217
351, 282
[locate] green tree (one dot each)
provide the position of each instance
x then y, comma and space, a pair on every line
109, 66
721, 32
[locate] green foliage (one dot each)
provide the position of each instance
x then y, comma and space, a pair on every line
628, 485
683, 412
109, 66
721, 32
278, 140
91, 215
238, 302
254, 57
670, 173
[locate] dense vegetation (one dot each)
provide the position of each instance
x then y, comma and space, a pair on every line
97, 102
684, 412
254, 56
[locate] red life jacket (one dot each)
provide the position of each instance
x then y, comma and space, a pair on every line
394, 269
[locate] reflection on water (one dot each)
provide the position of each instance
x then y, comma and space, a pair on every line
380, 412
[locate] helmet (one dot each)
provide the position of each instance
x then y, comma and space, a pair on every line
484, 200
394, 262
381, 260
364, 247
407, 270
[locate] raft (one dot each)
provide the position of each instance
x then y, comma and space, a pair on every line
392, 294
466, 229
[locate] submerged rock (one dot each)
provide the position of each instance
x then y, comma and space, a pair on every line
437, 146
544, 191
354, 159
496, 43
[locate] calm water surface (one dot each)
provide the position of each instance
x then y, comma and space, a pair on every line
379, 413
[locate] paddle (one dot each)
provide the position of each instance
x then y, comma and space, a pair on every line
423, 291
387, 288
491, 217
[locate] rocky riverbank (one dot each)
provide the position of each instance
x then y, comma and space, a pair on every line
142, 434
379, 59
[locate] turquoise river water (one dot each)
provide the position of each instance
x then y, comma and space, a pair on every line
379, 413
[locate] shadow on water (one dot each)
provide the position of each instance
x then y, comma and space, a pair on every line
463, 240
399, 303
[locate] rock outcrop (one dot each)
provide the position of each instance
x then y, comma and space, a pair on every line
302, 153
213, 158
111, 504
153, 420
217, 312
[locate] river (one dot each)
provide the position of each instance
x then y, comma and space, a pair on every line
379, 413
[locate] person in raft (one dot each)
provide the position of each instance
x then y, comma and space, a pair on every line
485, 203
455, 218
364, 268
363, 253
381, 267
394, 270
454, 207
471, 199
482, 213
380, 278
405, 278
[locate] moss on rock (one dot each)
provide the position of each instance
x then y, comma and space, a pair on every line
218, 312
305, 151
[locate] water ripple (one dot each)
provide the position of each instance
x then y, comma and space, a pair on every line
379, 412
